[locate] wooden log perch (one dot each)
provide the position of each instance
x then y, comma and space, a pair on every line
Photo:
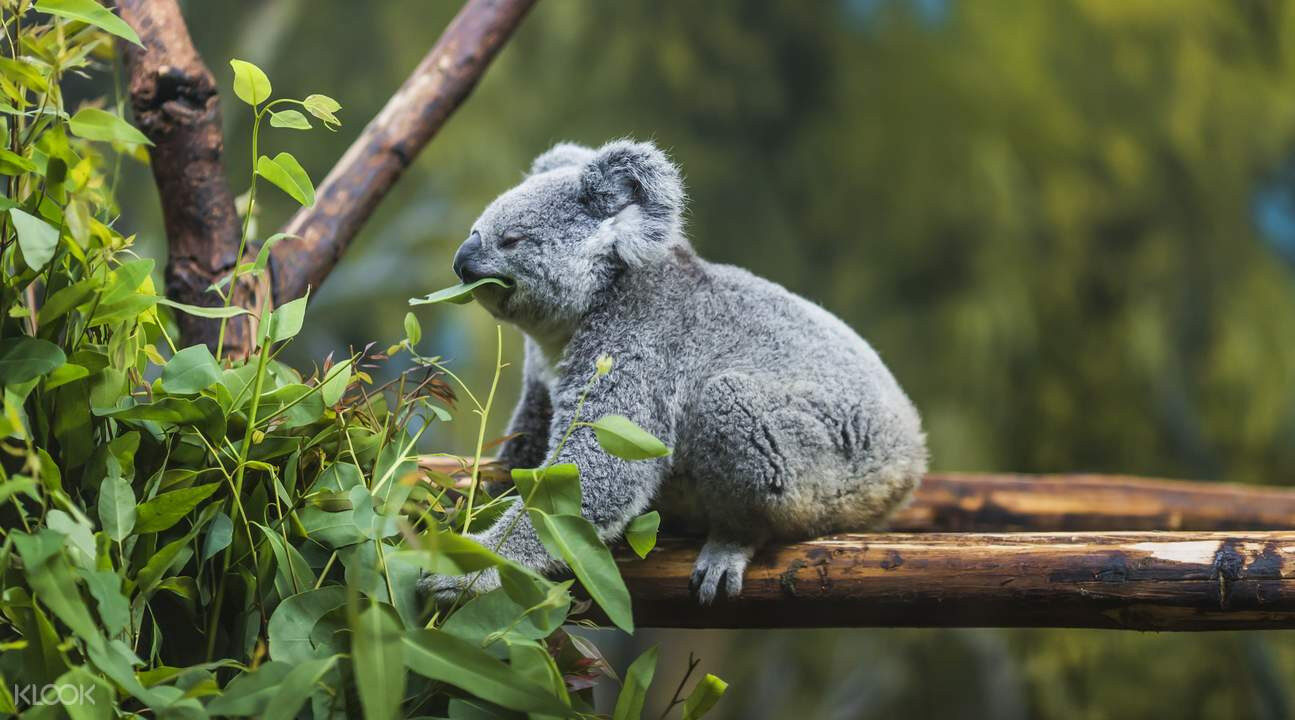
1129, 580
175, 103
1138, 576
390, 142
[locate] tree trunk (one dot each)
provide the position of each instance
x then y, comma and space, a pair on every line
174, 99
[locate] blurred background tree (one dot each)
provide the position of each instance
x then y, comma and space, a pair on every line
1069, 228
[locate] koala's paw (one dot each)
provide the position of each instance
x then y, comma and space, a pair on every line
445, 589
719, 562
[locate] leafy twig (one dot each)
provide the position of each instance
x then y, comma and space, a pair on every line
693, 662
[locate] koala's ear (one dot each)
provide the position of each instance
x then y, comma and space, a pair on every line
561, 155
625, 173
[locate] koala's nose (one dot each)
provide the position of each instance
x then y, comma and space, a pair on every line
467, 251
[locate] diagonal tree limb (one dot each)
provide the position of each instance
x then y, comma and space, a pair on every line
175, 102
390, 142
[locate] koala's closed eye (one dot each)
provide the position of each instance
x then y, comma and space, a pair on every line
511, 238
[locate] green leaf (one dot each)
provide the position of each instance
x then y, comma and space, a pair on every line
301, 404
116, 660
166, 509
620, 436
50, 577
116, 507
448, 553
413, 331
11, 163
64, 374
290, 625
629, 705
703, 697
641, 533
127, 278
190, 371
37, 238
323, 107
219, 536
575, 540
15, 485
545, 601
92, 694
80, 536
250, 83
291, 119
24, 358
105, 587
554, 489
286, 320
286, 173
159, 562
127, 310
440, 656
532, 661
202, 412
296, 688
335, 383
90, 11
250, 692
378, 658
96, 124
331, 529
25, 74
204, 311
460, 294
61, 302
487, 613
293, 574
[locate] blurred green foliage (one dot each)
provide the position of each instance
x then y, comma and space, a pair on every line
1041, 214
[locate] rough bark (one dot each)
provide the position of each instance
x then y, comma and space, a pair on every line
1130, 581
986, 502
956, 502
175, 103
390, 142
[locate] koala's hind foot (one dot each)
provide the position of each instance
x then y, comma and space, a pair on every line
720, 568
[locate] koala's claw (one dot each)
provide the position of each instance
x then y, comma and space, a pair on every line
719, 562
445, 589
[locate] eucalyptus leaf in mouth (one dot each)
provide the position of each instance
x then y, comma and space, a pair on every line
460, 294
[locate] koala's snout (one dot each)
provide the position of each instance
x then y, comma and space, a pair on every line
463, 259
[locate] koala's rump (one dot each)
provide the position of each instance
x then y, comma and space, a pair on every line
792, 423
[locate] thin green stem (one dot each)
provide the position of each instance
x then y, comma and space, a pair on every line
481, 427
239, 473
462, 384
242, 240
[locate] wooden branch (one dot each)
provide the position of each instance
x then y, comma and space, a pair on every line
391, 141
1131, 580
987, 502
175, 102
952, 502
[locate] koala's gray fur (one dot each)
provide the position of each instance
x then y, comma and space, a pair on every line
784, 423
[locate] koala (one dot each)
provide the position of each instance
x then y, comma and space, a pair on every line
784, 423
